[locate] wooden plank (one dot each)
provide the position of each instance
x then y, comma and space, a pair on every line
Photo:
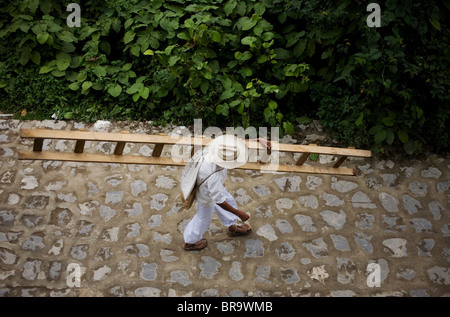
157, 139
120, 145
304, 157
301, 169
157, 150
37, 144
341, 159
109, 137
79, 146
323, 150
144, 160
98, 158
312, 149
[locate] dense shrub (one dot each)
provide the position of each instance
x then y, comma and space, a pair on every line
230, 62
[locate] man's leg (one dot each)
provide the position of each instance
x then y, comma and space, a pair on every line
198, 225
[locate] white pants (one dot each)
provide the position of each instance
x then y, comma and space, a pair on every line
198, 225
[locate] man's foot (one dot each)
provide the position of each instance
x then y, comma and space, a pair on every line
195, 246
238, 230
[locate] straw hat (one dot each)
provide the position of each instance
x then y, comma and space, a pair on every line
228, 151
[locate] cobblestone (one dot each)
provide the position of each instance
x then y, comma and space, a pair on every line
121, 227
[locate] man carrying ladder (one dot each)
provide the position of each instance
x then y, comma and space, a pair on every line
223, 153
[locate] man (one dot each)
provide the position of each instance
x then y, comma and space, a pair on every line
223, 153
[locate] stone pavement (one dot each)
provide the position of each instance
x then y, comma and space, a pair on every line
87, 229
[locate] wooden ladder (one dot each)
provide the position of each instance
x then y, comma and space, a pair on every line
159, 141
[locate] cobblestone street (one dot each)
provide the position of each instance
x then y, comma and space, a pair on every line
384, 232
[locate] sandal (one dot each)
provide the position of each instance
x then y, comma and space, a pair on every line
195, 246
238, 230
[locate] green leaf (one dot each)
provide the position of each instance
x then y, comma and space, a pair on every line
67, 36
25, 56
360, 119
376, 128
327, 54
144, 92
390, 136
215, 36
127, 66
288, 127
58, 73
347, 70
115, 90
227, 94
86, 85
62, 60
149, 52
128, 37
248, 40
229, 7
380, 136
128, 23
134, 88
204, 86
42, 37
389, 121
273, 105
173, 60
246, 23
434, 20
300, 47
36, 57
222, 109
332, 34
310, 48
282, 53
403, 136
73, 86
81, 76
184, 36
313, 157
100, 71
136, 50
45, 69
246, 56
207, 75
268, 114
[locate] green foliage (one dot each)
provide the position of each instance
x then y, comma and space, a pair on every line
230, 62
383, 86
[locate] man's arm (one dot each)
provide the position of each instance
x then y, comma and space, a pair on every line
244, 216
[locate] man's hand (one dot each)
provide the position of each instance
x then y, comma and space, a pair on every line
265, 143
242, 215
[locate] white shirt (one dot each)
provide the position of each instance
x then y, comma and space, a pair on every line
212, 191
